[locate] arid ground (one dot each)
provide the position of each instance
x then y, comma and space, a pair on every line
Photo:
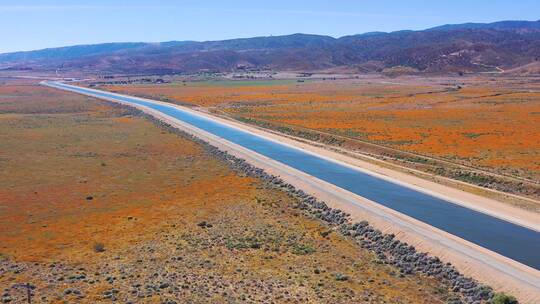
98, 204
483, 130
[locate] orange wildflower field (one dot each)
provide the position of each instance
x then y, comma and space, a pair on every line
97, 204
489, 123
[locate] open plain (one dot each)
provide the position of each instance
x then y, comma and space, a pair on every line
480, 130
497, 270
102, 205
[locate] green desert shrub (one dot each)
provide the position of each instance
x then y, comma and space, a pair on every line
501, 298
99, 247
301, 249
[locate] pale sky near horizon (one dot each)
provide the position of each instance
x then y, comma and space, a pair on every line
36, 24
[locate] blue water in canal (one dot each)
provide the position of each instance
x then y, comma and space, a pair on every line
513, 241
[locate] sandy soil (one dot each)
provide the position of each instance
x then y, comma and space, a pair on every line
484, 265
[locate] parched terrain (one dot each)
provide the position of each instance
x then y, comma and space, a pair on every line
480, 130
98, 204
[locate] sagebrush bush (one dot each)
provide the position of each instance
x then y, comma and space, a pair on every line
99, 247
501, 298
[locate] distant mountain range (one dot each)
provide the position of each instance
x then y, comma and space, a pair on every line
469, 47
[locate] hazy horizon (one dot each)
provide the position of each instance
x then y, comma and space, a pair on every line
137, 21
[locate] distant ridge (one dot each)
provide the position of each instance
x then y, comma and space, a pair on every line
500, 25
468, 47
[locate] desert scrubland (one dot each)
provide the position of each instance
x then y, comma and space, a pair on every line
99, 204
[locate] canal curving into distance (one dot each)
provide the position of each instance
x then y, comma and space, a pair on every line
513, 241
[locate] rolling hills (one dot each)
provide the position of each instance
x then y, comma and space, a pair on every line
470, 47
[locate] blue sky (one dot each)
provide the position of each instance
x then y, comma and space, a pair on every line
35, 24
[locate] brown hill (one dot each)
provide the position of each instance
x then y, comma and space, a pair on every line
468, 47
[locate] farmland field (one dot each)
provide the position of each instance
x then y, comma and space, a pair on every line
489, 124
98, 204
